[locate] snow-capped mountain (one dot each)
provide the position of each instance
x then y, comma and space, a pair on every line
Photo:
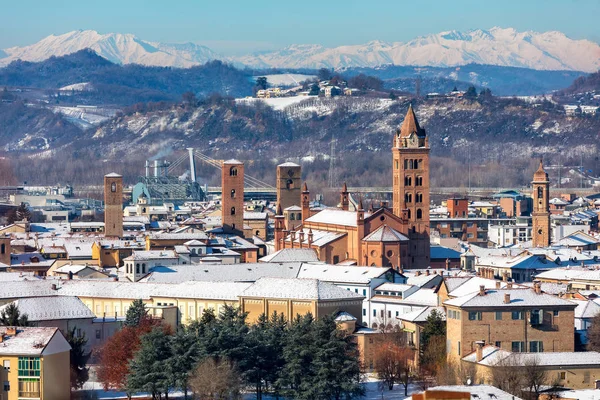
116, 47
497, 46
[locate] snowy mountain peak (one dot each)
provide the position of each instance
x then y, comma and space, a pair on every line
496, 46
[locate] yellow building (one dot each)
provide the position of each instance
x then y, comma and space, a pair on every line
518, 320
36, 364
579, 370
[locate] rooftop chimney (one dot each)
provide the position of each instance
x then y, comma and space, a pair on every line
418, 273
497, 284
509, 285
537, 287
479, 350
11, 331
427, 272
506, 298
482, 290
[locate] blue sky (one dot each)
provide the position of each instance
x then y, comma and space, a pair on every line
238, 26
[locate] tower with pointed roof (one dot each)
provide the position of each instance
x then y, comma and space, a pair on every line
113, 205
540, 216
232, 196
410, 186
344, 200
305, 202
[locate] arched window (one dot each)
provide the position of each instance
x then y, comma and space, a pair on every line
408, 214
540, 192
419, 197
257, 233
408, 198
233, 193
407, 181
289, 184
419, 213
292, 217
299, 216
232, 210
411, 164
419, 181
137, 268
113, 187
233, 171
143, 268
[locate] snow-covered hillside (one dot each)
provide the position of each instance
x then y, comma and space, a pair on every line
496, 46
116, 47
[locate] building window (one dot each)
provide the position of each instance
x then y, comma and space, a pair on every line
474, 316
2, 248
233, 171
518, 347
498, 344
419, 181
137, 268
389, 314
562, 375
586, 376
458, 347
6, 365
98, 333
143, 268
29, 366
517, 315
336, 259
364, 312
364, 292
555, 313
407, 181
498, 315
374, 312
419, 197
6, 386
419, 213
536, 346
408, 198
29, 387
113, 187
233, 193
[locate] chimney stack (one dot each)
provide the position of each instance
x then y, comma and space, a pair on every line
537, 287
509, 285
11, 331
427, 272
506, 298
482, 290
497, 284
479, 350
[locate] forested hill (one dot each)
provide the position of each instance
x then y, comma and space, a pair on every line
127, 84
590, 83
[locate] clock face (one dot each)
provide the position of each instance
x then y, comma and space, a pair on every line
291, 173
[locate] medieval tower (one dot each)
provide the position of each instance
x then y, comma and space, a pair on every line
410, 164
540, 232
288, 184
232, 196
113, 205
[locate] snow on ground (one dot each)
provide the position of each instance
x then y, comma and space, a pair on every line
78, 87
286, 79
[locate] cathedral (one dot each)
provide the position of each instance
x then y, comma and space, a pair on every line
397, 237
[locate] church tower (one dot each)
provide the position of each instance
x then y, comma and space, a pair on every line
305, 203
288, 184
540, 232
232, 196
113, 205
410, 165
344, 201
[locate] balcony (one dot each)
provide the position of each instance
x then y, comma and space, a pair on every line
545, 327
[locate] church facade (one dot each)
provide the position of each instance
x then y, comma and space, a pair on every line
397, 237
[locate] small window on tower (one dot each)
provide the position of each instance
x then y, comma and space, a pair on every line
540, 192
233, 171
233, 193
232, 210
113, 187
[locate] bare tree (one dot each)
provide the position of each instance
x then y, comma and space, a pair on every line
535, 376
507, 375
393, 364
593, 334
215, 380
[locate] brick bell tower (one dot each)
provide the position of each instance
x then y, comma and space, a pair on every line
113, 205
540, 232
288, 184
232, 197
410, 166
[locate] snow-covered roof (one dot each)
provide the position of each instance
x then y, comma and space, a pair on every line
320, 238
341, 274
233, 161
472, 285
476, 391
147, 255
113, 175
52, 308
586, 308
249, 272
74, 269
518, 298
394, 287
299, 288
335, 216
385, 234
492, 355
179, 236
253, 215
291, 255
288, 164
421, 315
344, 317
31, 341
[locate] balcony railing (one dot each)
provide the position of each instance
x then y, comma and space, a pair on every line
545, 327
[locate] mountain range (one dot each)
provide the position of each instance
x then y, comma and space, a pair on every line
497, 46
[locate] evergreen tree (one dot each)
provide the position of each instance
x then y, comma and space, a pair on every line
79, 359
433, 343
147, 372
471, 93
11, 316
184, 356
136, 313
314, 90
20, 213
336, 363
434, 326
230, 335
298, 351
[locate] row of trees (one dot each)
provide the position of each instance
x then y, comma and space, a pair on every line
218, 356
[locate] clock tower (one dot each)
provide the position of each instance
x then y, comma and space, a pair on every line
540, 216
410, 186
289, 185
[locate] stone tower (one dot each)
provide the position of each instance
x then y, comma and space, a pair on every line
288, 184
232, 197
113, 205
305, 202
410, 171
344, 200
540, 216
